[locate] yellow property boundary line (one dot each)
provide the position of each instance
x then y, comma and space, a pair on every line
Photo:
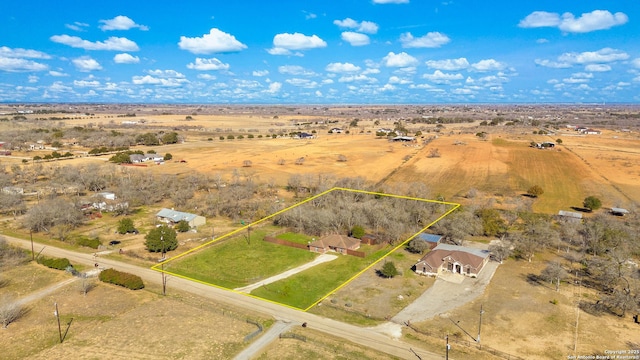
159, 267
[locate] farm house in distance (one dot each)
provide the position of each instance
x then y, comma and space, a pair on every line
173, 217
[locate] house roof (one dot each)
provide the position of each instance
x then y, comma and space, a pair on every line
336, 241
461, 254
175, 216
570, 214
430, 237
619, 211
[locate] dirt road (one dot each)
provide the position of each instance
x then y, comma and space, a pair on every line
362, 336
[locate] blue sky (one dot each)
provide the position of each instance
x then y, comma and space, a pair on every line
320, 52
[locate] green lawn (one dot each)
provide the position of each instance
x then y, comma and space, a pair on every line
305, 288
237, 262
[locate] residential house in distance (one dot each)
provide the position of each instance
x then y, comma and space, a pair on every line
335, 242
336, 131
452, 258
619, 211
173, 217
570, 216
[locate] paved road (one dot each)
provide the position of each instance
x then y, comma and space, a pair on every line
363, 336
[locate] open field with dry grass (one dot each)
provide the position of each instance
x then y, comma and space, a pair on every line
520, 317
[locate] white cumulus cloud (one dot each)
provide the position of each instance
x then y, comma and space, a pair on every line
285, 42
22, 53
274, 87
11, 64
430, 40
208, 64
399, 60
448, 64
113, 43
368, 27
121, 22
597, 67
342, 67
216, 41
125, 58
587, 22
295, 70
488, 65
441, 77
86, 64
604, 55
355, 39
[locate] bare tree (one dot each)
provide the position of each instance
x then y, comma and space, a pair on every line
247, 163
342, 158
434, 153
554, 273
10, 310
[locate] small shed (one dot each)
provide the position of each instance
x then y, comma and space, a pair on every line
570, 215
619, 211
370, 239
431, 239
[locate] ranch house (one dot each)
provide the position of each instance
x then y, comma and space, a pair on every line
452, 258
335, 242
173, 217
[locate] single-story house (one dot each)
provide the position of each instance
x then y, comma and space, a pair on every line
335, 242
154, 157
431, 239
403, 138
107, 195
136, 158
452, 258
570, 215
172, 217
619, 211
304, 135
336, 131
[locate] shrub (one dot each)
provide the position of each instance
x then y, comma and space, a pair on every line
125, 225
129, 281
55, 263
535, 191
85, 241
592, 203
357, 232
182, 226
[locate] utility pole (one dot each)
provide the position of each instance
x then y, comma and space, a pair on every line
57, 314
164, 277
33, 253
479, 327
447, 348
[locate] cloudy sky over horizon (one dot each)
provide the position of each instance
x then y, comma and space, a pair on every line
320, 52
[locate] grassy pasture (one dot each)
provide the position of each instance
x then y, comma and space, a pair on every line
305, 288
237, 262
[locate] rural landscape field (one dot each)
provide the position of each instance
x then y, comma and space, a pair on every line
246, 169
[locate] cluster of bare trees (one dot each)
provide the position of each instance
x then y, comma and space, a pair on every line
392, 219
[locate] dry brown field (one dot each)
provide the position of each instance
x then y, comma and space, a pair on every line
501, 168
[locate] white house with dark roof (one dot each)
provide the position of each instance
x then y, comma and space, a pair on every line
454, 259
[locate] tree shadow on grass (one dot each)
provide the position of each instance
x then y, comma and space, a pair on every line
581, 209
